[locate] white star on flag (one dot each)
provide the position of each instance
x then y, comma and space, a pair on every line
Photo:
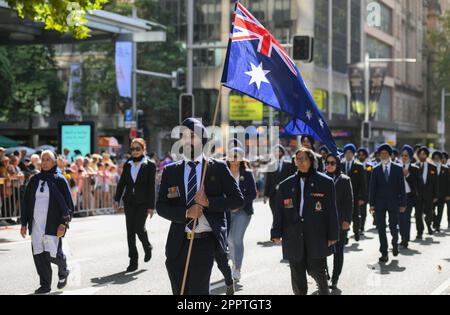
258, 75
322, 124
309, 114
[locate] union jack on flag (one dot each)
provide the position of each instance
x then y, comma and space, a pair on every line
247, 27
257, 65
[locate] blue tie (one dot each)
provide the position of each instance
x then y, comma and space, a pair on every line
386, 174
192, 189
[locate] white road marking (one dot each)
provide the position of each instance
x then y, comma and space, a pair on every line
442, 288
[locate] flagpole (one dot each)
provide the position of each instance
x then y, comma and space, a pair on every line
191, 241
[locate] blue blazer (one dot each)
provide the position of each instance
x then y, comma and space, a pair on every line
223, 194
247, 185
320, 217
59, 211
390, 195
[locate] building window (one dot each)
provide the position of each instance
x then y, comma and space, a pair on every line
321, 33
207, 20
339, 104
386, 18
385, 105
340, 35
356, 31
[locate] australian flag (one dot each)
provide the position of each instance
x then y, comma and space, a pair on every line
257, 65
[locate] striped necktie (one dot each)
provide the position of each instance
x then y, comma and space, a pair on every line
192, 189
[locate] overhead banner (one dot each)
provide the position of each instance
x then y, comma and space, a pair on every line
72, 109
124, 68
357, 88
377, 76
356, 79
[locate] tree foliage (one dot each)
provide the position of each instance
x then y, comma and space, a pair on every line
59, 15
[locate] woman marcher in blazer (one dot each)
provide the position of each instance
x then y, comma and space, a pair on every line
240, 218
47, 208
137, 185
344, 205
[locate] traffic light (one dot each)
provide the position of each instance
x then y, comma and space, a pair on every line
303, 48
141, 125
367, 130
179, 79
186, 106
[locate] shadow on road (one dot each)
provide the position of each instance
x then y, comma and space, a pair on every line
353, 248
221, 290
427, 241
409, 252
393, 266
117, 278
267, 244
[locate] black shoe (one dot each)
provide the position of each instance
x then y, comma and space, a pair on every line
430, 231
133, 266
42, 290
63, 282
346, 241
333, 285
395, 251
437, 230
148, 255
384, 259
357, 237
230, 289
405, 245
419, 237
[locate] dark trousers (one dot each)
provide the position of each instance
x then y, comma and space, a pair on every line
448, 213
43, 263
437, 215
221, 258
362, 217
356, 218
423, 207
316, 268
135, 217
338, 259
405, 219
394, 216
200, 267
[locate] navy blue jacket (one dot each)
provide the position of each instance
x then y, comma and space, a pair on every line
320, 218
247, 185
389, 195
57, 214
223, 194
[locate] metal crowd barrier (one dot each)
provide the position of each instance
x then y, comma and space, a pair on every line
93, 198
10, 198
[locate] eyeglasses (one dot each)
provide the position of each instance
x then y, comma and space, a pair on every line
330, 163
136, 149
302, 159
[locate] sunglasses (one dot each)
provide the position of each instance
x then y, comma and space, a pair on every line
136, 149
42, 187
330, 163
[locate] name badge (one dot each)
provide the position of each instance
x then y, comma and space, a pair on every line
288, 203
173, 192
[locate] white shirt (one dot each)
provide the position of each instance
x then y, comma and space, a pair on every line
302, 200
438, 166
135, 168
41, 242
425, 172
203, 224
407, 187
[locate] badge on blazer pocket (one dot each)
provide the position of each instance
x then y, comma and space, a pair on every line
288, 203
173, 192
318, 207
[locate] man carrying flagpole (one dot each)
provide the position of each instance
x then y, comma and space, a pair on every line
196, 205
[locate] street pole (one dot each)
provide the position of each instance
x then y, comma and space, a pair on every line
442, 131
190, 42
134, 79
366, 142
